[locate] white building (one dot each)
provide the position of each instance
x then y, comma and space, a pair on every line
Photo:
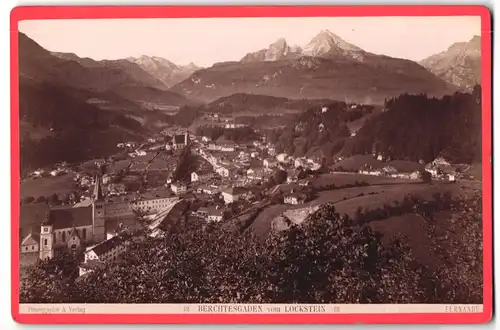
109, 250
282, 158
256, 173
227, 147
269, 163
214, 147
415, 175
30, 243
153, 204
106, 178
201, 176
178, 188
440, 161
223, 171
209, 190
233, 194
294, 199
213, 213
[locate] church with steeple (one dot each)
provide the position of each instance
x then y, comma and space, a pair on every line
45, 230
67, 227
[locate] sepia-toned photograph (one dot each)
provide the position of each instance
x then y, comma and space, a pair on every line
304, 161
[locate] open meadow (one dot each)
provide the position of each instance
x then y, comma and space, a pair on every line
380, 191
46, 186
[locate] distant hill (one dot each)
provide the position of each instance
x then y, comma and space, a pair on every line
328, 67
107, 76
410, 128
322, 131
164, 70
254, 103
460, 64
61, 116
75, 130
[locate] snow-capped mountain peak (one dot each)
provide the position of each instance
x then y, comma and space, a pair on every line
327, 42
460, 64
191, 67
169, 73
324, 44
276, 51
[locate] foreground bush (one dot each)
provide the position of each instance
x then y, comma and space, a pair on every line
327, 259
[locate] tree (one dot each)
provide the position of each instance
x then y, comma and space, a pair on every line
279, 176
142, 218
358, 217
54, 199
425, 176
328, 258
49, 281
460, 271
28, 200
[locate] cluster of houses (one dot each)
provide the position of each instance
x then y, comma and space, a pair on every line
89, 227
225, 121
130, 144
389, 171
438, 169
56, 170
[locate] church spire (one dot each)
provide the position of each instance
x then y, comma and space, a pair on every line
46, 219
98, 188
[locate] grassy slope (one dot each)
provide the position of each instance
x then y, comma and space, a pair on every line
383, 193
47, 186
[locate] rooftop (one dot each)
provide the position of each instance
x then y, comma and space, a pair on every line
91, 264
156, 193
108, 245
31, 217
33, 235
235, 191
212, 210
179, 138
71, 217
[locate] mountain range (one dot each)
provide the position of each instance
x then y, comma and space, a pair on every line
164, 70
327, 67
63, 92
326, 44
460, 64
74, 108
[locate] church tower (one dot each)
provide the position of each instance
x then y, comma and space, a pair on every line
46, 239
98, 212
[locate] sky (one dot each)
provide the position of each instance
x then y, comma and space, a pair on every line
205, 41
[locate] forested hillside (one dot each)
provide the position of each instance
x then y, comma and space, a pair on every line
326, 130
75, 130
417, 127
411, 127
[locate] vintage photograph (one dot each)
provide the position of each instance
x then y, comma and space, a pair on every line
314, 160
